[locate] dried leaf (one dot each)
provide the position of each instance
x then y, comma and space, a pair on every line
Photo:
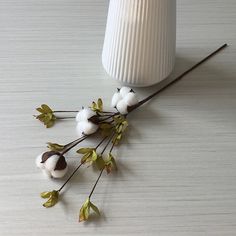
84, 150
95, 209
100, 104
100, 163
46, 108
55, 146
52, 198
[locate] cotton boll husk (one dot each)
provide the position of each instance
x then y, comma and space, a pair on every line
131, 99
84, 114
46, 173
124, 91
38, 161
115, 99
51, 162
122, 107
59, 173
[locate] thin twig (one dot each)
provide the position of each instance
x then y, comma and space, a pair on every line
70, 177
177, 78
96, 183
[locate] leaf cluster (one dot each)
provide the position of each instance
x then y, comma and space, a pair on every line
46, 115
52, 196
85, 210
97, 107
121, 125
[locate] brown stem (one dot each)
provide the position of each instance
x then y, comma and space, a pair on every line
64, 111
70, 177
64, 118
91, 193
100, 142
108, 143
74, 144
177, 78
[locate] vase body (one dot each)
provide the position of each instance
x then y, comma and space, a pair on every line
140, 41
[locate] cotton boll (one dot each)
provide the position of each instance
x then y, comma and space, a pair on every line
59, 173
122, 107
124, 91
80, 128
84, 114
131, 99
46, 173
51, 162
86, 127
90, 128
115, 99
38, 161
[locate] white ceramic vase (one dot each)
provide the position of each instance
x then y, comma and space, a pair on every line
140, 41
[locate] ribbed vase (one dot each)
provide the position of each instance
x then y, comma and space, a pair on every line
140, 41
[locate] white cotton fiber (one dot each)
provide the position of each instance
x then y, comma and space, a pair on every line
131, 99
115, 99
124, 91
59, 173
84, 114
86, 127
122, 107
51, 162
90, 128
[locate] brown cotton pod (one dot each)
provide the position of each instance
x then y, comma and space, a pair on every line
47, 155
61, 163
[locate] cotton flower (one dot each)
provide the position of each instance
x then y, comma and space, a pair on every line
115, 99
124, 91
84, 114
131, 99
123, 99
122, 107
86, 127
52, 164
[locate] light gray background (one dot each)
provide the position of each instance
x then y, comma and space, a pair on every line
177, 167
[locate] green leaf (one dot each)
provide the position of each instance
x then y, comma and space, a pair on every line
50, 124
84, 150
55, 146
45, 194
39, 109
94, 155
84, 211
98, 107
100, 163
100, 104
110, 163
52, 198
46, 108
95, 209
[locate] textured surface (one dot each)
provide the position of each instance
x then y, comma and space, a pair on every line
177, 168
140, 38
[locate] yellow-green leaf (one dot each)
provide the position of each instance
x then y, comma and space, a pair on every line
84, 150
45, 194
100, 104
55, 146
100, 163
52, 198
46, 108
95, 209
94, 155
84, 211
